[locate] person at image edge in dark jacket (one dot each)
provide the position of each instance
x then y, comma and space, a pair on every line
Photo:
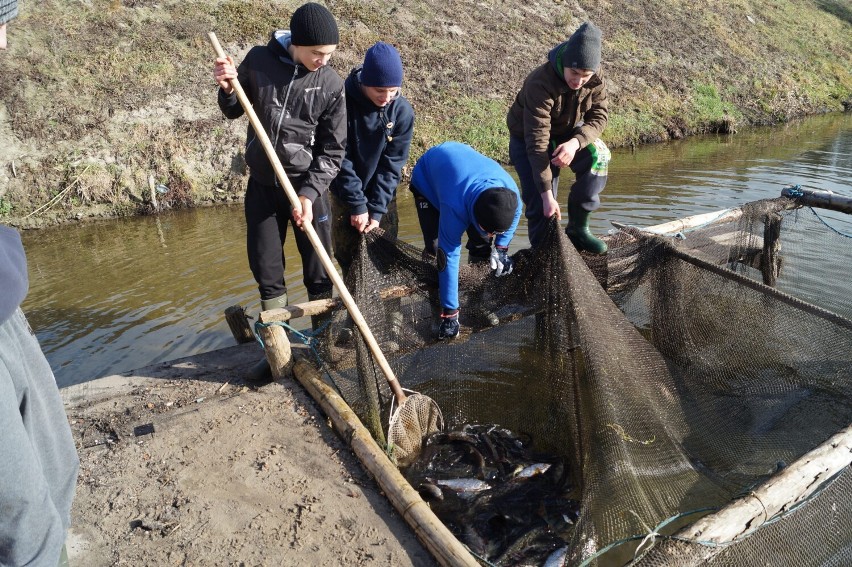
301, 104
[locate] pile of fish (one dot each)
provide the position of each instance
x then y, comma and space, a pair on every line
507, 504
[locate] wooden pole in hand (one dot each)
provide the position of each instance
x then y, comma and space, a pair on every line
350, 304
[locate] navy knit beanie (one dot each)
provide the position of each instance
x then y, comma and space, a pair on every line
313, 24
582, 50
495, 208
382, 66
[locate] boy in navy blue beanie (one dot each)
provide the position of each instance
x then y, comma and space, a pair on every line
380, 124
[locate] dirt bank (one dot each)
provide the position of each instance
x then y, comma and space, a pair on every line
123, 102
183, 464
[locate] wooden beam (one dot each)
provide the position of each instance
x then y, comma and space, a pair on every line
431, 532
777, 495
820, 199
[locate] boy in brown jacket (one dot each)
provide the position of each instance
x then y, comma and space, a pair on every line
556, 121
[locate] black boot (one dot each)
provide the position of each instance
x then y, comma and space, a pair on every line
476, 301
579, 233
317, 321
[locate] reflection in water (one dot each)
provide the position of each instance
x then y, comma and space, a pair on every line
112, 296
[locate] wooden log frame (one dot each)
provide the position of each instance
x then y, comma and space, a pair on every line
431, 532
237, 320
820, 199
777, 495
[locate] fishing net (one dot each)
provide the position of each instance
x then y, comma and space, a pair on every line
672, 379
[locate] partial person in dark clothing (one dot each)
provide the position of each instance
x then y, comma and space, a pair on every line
555, 122
301, 104
380, 126
38, 459
457, 190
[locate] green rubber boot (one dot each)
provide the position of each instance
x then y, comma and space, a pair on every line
578, 231
274, 303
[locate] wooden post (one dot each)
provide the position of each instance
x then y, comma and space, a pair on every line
778, 494
237, 320
277, 346
816, 198
770, 262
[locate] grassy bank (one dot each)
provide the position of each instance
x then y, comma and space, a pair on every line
104, 100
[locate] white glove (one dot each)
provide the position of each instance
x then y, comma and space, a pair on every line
500, 261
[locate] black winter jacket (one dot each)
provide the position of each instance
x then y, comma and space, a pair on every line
378, 143
303, 113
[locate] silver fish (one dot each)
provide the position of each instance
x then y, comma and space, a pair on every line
533, 470
557, 558
463, 484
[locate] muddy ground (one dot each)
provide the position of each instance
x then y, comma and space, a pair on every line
183, 463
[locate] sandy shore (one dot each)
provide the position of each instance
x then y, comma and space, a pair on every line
183, 464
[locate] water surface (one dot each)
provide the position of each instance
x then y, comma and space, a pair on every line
111, 296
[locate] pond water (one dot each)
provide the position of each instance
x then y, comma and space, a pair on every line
112, 296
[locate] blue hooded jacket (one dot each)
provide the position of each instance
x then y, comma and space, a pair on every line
376, 151
451, 176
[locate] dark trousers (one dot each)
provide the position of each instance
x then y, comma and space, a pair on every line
268, 212
344, 236
589, 167
429, 215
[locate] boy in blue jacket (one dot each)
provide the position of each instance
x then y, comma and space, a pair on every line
457, 190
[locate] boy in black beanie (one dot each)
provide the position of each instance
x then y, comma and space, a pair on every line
556, 121
307, 127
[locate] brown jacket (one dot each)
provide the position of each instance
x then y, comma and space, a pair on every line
546, 110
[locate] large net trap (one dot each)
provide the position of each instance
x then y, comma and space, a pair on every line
681, 378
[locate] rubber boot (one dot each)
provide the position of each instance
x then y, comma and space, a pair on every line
274, 303
317, 321
476, 300
395, 321
260, 372
578, 231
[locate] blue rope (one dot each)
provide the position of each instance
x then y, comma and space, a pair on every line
308, 338
831, 228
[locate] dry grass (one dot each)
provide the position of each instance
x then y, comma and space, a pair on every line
127, 84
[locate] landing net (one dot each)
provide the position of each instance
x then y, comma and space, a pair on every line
668, 374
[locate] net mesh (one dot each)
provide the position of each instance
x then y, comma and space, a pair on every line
667, 374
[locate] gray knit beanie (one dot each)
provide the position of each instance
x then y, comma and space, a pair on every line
582, 50
313, 24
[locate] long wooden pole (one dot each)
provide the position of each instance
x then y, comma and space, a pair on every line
312, 234
817, 198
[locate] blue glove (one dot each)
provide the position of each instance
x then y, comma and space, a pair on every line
449, 328
500, 261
